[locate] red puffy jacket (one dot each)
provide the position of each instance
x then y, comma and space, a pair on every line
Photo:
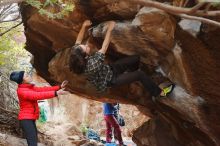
28, 95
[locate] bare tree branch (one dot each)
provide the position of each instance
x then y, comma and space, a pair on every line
207, 8
196, 7
7, 2
5, 15
181, 3
1, 34
186, 2
174, 9
4, 8
7, 11
18, 17
205, 20
188, 13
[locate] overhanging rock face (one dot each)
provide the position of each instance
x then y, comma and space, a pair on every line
190, 117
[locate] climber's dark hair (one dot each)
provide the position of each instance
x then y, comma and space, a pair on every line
77, 61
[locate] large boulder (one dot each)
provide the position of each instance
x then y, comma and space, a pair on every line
189, 117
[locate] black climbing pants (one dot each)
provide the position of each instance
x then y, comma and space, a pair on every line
30, 131
126, 71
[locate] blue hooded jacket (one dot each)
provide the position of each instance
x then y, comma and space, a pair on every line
108, 109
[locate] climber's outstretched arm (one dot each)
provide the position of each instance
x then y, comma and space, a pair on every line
80, 36
106, 41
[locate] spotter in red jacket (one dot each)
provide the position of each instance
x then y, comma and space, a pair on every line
28, 95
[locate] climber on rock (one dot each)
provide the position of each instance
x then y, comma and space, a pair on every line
102, 75
28, 95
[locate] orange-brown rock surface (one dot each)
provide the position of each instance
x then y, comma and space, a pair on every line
86, 112
189, 117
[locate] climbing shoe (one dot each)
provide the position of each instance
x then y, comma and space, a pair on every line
167, 90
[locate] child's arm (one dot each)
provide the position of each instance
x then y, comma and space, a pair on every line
34, 95
80, 36
106, 41
42, 89
52, 88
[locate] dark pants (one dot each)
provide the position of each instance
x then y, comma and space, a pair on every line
130, 65
30, 131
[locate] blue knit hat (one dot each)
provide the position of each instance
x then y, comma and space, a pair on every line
17, 76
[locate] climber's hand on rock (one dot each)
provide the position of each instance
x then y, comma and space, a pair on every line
64, 83
111, 25
87, 23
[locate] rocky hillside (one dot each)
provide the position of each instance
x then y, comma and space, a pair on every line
190, 116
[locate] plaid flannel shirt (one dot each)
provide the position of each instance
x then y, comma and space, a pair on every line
98, 73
